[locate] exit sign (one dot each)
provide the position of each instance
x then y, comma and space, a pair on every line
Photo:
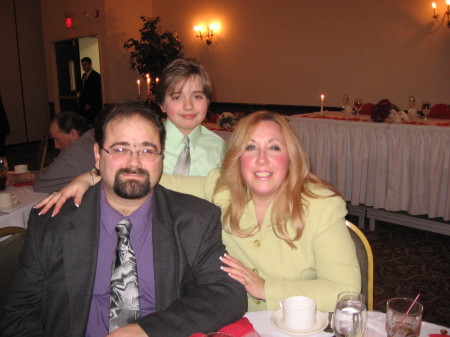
69, 22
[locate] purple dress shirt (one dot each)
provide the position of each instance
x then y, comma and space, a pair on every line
141, 241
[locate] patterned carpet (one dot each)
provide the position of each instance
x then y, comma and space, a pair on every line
410, 261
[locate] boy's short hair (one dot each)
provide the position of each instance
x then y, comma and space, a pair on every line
180, 70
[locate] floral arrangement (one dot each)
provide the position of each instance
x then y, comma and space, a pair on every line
226, 121
383, 109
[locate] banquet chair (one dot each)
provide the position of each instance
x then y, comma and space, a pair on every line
42, 152
10, 248
365, 259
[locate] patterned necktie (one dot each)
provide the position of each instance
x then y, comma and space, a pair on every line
184, 159
124, 300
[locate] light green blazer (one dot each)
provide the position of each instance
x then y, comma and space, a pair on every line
323, 264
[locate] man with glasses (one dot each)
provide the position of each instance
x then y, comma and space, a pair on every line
134, 259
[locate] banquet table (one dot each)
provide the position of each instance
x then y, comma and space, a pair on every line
18, 216
375, 325
390, 166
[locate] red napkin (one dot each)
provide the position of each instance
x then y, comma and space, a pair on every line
367, 109
239, 328
29, 183
439, 111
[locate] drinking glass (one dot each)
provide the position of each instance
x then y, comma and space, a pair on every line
426, 105
400, 324
411, 102
3, 172
357, 105
350, 315
345, 100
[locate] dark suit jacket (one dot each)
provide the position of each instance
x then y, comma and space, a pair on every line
91, 91
52, 292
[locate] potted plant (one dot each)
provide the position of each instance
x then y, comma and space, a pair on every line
155, 49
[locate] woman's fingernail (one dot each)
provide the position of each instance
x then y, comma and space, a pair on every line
220, 258
221, 267
77, 205
225, 254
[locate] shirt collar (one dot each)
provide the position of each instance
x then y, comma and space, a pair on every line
139, 218
178, 136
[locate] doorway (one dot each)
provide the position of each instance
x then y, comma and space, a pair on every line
68, 56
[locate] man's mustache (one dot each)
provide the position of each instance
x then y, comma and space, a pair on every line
133, 171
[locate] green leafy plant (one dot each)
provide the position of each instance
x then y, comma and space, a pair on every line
155, 50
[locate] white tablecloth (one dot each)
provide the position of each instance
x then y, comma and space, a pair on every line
396, 167
18, 216
375, 326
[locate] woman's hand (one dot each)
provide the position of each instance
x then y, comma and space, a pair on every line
76, 188
248, 278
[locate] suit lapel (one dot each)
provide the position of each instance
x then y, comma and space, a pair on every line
80, 257
165, 262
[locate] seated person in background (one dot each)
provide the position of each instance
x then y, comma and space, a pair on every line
72, 136
164, 278
283, 227
184, 94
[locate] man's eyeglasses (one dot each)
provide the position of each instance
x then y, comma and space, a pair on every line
147, 154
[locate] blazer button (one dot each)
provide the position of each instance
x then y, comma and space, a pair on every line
256, 243
256, 271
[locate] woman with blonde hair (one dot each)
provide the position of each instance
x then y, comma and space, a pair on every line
283, 227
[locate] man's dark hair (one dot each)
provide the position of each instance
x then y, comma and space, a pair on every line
69, 120
125, 111
86, 59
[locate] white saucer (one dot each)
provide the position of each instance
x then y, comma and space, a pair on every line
16, 202
14, 172
320, 324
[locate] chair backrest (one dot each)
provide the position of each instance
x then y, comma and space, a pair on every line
42, 152
365, 259
10, 249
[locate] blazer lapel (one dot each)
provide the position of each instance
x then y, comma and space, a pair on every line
165, 262
80, 249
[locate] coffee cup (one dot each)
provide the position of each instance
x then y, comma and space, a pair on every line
20, 168
299, 312
7, 199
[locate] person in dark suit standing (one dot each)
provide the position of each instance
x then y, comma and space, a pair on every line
91, 92
167, 248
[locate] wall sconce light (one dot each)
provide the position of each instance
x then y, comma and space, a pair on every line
446, 14
207, 33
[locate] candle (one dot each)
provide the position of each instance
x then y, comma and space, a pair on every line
322, 97
157, 80
433, 4
139, 87
148, 85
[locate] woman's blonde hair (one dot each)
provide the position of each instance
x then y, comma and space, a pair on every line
288, 205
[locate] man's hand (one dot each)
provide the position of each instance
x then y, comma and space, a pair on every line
130, 330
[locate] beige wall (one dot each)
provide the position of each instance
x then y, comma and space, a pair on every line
89, 48
290, 51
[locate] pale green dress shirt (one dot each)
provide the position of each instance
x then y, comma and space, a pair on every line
206, 149
323, 265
